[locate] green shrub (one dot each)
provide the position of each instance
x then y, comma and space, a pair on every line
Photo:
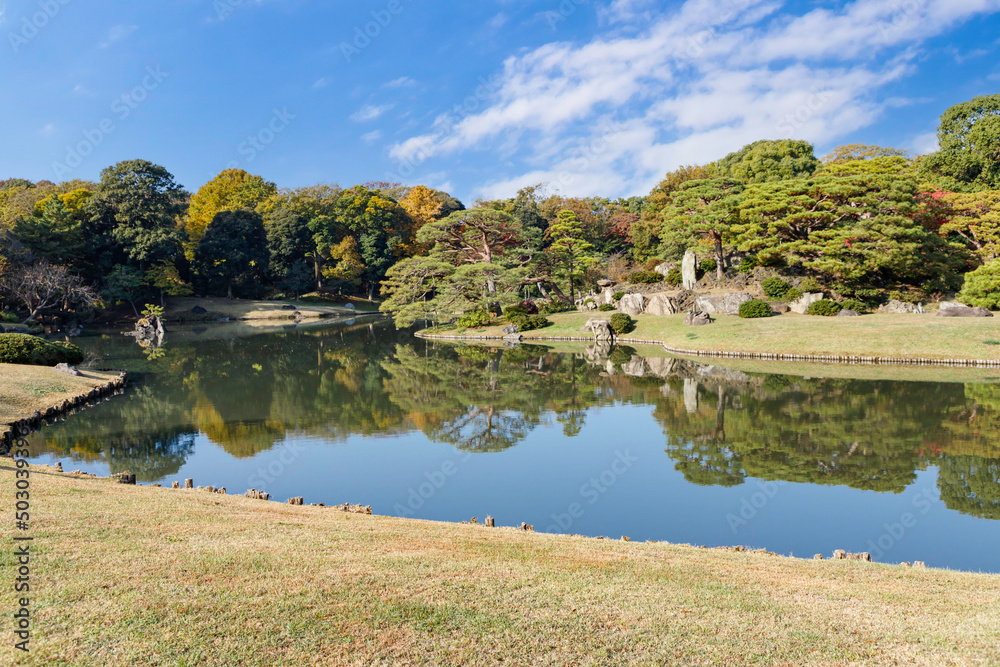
8, 317
775, 288
644, 277
905, 297
621, 323
749, 263
674, 277
652, 263
855, 305
606, 307
35, 351
708, 266
618, 295
516, 310
755, 308
529, 322
982, 286
824, 307
793, 294
475, 318
810, 285
553, 307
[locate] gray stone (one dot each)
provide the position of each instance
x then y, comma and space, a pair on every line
288, 307
513, 338
661, 304
586, 306
697, 319
848, 313
728, 304
349, 306
665, 268
802, 304
68, 370
606, 297
632, 304
600, 328
689, 268
895, 307
606, 283
779, 308
839, 554
510, 329
223, 320
198, 310
950, 305
955, 309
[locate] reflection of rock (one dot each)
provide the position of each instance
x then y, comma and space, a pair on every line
697, 319
895, 307
149, 332
632, 304
598, 352
691, 395
661, 304
689, 269
956, 309
728, 304
636, 367
801, 305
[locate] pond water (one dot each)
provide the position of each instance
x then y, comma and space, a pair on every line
569, 439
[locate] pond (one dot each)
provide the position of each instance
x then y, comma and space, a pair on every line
570, 439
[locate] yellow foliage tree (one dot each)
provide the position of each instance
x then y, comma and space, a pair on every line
231, 190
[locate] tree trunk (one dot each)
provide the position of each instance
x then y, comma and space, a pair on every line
229, 292
720, 259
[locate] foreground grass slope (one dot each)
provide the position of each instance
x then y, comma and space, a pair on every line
872, 335
25, 390
136, 575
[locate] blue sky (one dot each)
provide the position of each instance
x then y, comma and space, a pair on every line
589, 96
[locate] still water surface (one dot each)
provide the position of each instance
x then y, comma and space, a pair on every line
563, 438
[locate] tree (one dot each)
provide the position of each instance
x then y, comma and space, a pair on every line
55, 231
708, 208
124, 283
853, 152
982, 286
969, 145
645, 233
233, 252
477, 235
165, 277
975, 218
316, 204
568, 245
410, 287
231, 190
770, 160
290, 244
42, 285
131, 214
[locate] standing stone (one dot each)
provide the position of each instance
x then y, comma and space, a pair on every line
801, 305
632, 304
189, 483
689, 270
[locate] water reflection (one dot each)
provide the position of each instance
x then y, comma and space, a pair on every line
249, 393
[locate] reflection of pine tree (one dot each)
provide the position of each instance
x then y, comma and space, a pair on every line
971, 485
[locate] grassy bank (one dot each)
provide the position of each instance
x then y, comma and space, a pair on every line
900, 336
25, 390
141, 575
179, 310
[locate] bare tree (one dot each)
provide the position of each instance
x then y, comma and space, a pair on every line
42, 285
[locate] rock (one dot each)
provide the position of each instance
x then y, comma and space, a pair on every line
728, 304
839, 554
198, 310
349, 306
848, 313
68, 370
801, 305
665, 268
689, 270
586, 306
632, 304
288, 307
606, 283
779, 308
818, 557
895, 307
600, 328
223, 320
661, 304
513, 338
509, 329
955, 309
919, 564
606, 297
697, 319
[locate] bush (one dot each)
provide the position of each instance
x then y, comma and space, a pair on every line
8, 317
855, 305
755, 308
775, 288
621, 323
749, 263
516, 310
982, 286
810, 285
793, 294
674, 277
606, 308
905, 297
552, 307
35, 351
708, 266
644, 277
476, 318
618, 295
825, 307
529, 322
652, 263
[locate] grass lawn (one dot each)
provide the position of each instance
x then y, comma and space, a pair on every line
138, 575
25, 390
902, 336
179, 310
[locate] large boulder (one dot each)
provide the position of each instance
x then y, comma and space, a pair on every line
632, 304
661, 304
697, 319
606, 283
728, 304
689, 270
848, 313
68, 369
600, 328
198, 310
779, 308
896, 307
509, 329
956, 309
606, 297
801, 305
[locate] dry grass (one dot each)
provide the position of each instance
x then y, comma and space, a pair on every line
921, 336
179, 310
25, 390
126, 575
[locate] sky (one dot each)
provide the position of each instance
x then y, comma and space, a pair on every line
590, 97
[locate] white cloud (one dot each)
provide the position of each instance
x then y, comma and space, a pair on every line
497, 22
117, 33
48, 130
370, 112
924, 143
401, 82
688, 87
372, 136
321, 82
